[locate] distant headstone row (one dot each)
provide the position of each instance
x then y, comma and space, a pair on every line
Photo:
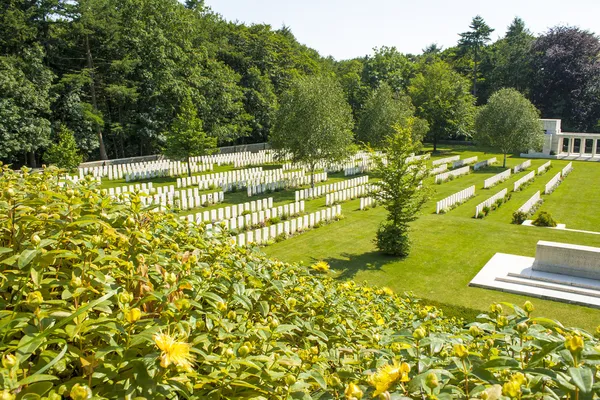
502, 176
488, 203
318, 191
450, 201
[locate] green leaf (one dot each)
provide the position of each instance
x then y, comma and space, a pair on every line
583, 378
26, 257
36, 378
37, 390
54, 361
500, 363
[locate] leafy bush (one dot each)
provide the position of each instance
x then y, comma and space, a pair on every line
109, 300
393, 240
519, 217
544, 219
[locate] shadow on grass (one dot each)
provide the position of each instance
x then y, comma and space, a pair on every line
347, 265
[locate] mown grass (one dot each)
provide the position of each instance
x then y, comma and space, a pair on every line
448, 250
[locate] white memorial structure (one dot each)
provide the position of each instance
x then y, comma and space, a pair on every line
567, 145
564, 272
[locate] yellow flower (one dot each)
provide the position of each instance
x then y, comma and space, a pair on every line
460, 351
320, 266
388, 291
353, 392
173, 352
133, 315
511, 389
387, 375
574, 344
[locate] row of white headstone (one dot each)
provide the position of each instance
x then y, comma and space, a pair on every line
530, 176
484, 164
241, 158
502, 176
290, 227
552, 184
529, 204
318, 191
367, 202
445, 160
260, 158
488, 203
233, 211
567, 169
76, 179
541, 169
169, 170
345, 195
356, 170
466, 161
237, 175
253, 220
147, 188
439, 169
444, 204
166, 167
286, 183
522, 167
457, 172
184, 201
421, 157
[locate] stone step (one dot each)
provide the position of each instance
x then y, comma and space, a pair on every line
550, 286
556, 281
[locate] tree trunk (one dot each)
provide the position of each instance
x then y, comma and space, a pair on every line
504, 164
90, 65
31, 159
189, 167
312, 176
435, 140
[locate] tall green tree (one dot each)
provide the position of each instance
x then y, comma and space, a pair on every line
566, 82
441, 97
383, 110
473, 43
390, 66
314, 122
509, 123
400, 188
186, 138
64, 153
24, 105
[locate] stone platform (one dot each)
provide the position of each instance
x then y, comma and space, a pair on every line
517, 274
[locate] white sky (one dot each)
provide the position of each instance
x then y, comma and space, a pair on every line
352, 28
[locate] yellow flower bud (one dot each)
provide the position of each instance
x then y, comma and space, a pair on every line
353, 392
221, 306
133, 315
528, 307
419, 333
35, 239
574, 344
6, 395
289, 379
432, 381
460, 350
35, 298
9, 361
475, 331
80, 392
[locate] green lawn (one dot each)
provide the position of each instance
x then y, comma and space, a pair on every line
449, 250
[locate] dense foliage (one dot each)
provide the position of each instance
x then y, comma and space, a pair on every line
116, 72
111, 300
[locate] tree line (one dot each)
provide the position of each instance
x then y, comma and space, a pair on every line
114, 78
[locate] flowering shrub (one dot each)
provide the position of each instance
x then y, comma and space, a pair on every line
108, 300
